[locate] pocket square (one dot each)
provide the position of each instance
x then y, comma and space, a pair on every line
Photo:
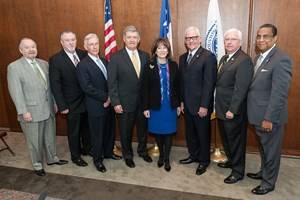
264, 70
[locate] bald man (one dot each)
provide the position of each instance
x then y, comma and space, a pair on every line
28, 85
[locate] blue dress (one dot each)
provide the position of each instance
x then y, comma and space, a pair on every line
164, 120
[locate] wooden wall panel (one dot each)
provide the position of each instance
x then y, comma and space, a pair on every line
44, 20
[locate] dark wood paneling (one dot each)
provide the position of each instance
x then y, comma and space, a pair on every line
44, 20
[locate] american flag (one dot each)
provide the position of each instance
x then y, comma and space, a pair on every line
110, 43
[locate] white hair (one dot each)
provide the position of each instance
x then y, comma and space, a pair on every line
88, 37
192, 28
234, 30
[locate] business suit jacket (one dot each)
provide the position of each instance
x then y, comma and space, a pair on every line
151, 89
233, 80
94, 85
124, 85
198, 80
27, 91
268, 92
64, 82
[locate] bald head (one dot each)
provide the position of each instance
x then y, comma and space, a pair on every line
28, 48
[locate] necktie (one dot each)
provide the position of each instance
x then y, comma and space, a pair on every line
135, 63
189, 58
38, 73
223, 62
102, 67
75, 60
258, 63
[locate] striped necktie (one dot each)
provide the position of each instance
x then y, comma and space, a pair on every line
38, 73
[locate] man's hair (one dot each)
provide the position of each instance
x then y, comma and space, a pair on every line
192, 28
271, 26
234, 30
130, 28
22, 40
88, 37
64, 32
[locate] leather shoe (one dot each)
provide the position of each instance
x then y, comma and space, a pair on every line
201, 169
80, 162
188, 160
60, 162
256, 176
160, 162
100, 167
114, 157
40, 172
147, 158
167, 166
259, 190
224, 165
232, 179
129, 163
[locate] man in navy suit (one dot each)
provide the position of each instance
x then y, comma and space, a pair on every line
268, 105
68, 95
92, 76
124, 80
198, 68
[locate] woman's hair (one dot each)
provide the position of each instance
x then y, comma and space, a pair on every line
156, 43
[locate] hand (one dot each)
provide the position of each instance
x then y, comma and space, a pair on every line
118, 109
229, 115
178, 111
27, 117
106, 103
267, 126
147, 113
182, 107
64, 112
202, 112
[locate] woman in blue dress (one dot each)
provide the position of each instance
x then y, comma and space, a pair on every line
161, 101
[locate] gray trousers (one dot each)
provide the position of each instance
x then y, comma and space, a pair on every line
41, 136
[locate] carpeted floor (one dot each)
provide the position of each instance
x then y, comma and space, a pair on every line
73, 188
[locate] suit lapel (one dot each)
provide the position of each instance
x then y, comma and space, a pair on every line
67, 59
229, 63
129, 63
196, 56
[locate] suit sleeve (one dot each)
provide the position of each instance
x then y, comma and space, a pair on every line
145, 88
113, 81
243, 79
87, 86
177, 84
15, 89
180, 76
56, 85
209, 81
281, 79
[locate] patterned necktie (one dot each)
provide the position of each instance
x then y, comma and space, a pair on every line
102, 67
189, 58
38, 73
223, 62
75, 60
258, 63
135, 63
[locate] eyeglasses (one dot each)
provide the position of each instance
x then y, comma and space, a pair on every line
191, 38
231, 39
264, 37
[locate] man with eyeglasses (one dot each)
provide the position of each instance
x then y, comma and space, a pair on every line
198, 68
234, 77
267, 105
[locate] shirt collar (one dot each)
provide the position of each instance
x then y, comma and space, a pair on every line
264, 55
194, 51
130, 51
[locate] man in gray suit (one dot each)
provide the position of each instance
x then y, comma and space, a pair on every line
267, 104
234, 77
28, 85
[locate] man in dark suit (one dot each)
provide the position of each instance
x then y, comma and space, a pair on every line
234, 77
124, 72
198, 68
69, 96
92, 76
267, 104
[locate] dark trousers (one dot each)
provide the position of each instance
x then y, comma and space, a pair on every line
198, 133
164, 143
234, 136
270, 151
102, 131
78, 134
127, 121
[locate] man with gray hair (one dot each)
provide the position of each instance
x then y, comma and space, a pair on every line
234, 77
29, 88
124, 81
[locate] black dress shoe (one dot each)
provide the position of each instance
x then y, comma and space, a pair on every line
232, 179
188, 160
160, 162
224, 165
256, 176
201, 169
129, 163
259, 190
60, 162
100, 167
147, 158
167, 166
114, 157
40, 172
80, 162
